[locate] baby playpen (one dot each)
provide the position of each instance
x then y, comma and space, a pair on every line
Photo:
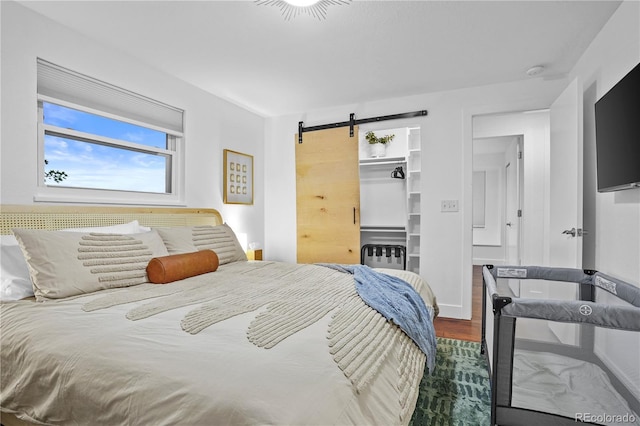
563, 346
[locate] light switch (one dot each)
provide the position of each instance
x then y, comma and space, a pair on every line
449, 206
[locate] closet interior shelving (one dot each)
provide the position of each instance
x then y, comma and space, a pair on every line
390, 207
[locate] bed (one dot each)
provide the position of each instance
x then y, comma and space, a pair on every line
563, 346
252, 342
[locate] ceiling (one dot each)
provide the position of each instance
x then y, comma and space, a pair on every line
250, 55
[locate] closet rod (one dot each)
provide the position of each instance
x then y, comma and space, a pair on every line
353, 122
381, 163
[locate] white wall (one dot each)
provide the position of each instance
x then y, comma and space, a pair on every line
211, 124
488, 240
446, 143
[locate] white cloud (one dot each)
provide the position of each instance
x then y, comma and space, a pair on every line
95, 166
56, 143
133, 137
112, 175
59, 116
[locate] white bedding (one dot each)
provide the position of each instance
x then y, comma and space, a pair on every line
62, 365
569, 387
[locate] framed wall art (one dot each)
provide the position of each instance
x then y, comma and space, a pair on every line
238, 178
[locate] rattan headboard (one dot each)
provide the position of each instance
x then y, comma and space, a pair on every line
58, 217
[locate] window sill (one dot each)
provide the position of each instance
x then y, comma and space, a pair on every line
80, 196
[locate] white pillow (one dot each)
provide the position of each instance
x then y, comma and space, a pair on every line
187, 239
125, 228
64, 264
15, 281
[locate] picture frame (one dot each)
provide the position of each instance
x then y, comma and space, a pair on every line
237, 177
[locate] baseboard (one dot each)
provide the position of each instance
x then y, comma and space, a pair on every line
451, 311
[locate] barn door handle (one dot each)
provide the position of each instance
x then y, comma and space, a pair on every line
354, 215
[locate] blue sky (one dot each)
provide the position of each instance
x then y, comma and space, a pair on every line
96, 166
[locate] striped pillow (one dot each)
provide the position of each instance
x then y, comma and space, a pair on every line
64, 264
187, 239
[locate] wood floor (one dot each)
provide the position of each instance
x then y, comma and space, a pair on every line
465, 329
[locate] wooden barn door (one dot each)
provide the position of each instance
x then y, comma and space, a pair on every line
328, 197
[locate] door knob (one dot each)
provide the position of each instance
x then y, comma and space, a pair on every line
571, 232
508, 223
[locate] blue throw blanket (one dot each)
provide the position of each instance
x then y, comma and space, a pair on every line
398, 302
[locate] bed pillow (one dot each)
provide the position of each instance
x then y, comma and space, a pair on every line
166, 269
15, 282
221, 239
64, 264
132, 227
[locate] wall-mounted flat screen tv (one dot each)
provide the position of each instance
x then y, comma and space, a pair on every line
617, 116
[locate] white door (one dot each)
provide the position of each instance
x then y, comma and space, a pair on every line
565, 221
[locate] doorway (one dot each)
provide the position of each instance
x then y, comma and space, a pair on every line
523, 165
525, 138
498, 182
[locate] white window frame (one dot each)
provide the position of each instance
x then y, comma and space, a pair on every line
60, 193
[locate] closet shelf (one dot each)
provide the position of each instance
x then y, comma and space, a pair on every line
382, 228
382, 161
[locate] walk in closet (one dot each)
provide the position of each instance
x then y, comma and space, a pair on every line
390, 201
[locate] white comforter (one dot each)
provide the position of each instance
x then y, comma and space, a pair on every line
63, 365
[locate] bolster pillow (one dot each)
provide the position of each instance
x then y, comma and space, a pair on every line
165, 269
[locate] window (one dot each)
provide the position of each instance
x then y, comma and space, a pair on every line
101, 143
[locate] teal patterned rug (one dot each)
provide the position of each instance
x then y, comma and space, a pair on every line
458, 392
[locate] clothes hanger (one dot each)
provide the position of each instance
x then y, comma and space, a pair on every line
398, 173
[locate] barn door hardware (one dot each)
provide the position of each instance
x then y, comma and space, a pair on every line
353, 122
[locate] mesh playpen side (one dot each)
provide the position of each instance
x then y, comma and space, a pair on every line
562, 345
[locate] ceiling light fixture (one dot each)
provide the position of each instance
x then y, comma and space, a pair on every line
292, 8
301, 3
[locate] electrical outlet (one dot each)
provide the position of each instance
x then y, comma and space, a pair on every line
449, 206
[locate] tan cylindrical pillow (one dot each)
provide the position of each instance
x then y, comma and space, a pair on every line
166, 269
